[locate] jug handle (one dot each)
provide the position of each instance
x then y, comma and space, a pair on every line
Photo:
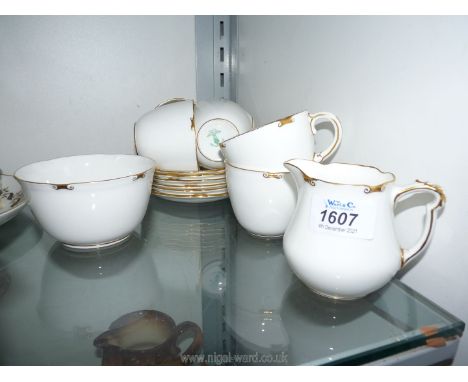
438, 202
197, 341
314, 118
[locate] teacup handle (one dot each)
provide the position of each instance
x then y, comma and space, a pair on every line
314, 118
197, 341
438, 202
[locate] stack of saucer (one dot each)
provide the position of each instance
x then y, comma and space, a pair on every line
190, 186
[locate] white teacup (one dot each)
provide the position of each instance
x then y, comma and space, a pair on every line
167, 135
263, 202
269, 146
216, 121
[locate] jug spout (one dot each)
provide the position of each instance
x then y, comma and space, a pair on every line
295, 167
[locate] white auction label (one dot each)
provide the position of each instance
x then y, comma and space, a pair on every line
338, 214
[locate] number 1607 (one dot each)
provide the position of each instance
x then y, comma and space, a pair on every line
341, 219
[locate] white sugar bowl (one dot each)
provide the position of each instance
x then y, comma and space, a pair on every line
89, 201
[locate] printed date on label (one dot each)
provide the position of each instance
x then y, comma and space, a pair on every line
342, 218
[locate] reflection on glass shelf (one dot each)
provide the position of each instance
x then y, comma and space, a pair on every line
192, 263
84, 293
257, 278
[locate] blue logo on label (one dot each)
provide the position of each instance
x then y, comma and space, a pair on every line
339, 205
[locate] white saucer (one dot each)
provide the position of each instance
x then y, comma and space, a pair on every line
191, 199
189, 193
12, 199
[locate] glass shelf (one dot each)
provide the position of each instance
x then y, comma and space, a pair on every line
194, 263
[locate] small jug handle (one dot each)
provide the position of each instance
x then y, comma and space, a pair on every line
197, 341
438, 202
314, 118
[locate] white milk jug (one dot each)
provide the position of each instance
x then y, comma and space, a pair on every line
341, 240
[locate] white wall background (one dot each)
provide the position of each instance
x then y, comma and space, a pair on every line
400, 88
76, 85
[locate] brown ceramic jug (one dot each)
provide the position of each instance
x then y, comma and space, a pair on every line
145, 338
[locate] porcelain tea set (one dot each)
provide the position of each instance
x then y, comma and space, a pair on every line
336, 219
